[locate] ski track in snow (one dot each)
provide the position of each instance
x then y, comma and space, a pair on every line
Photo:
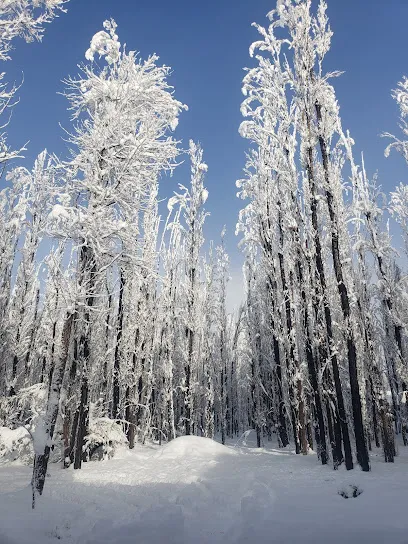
194, 490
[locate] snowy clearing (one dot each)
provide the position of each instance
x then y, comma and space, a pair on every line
194, 490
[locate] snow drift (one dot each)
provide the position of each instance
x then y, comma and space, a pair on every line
194, 447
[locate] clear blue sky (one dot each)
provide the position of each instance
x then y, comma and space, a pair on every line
206, 43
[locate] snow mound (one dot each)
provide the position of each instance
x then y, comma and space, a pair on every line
194, 446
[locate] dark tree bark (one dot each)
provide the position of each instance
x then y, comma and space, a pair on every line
361, 444
82, 425
88, 273
282, 427
313, 375
328, 318
116, 368
296, 399
41, 459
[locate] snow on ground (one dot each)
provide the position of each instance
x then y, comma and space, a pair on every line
194, 490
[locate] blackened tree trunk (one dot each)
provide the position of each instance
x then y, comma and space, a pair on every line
255, 400
69, 424
88, 273
82, 423
395, 352
296, 399
104, 383
44, 360
361, 444
328, 319
187, 384
32, 334
385, 417
280, 401
222, 403
131, 410
313, 374
41, 459
116, 368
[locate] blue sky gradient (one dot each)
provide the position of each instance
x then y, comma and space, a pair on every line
206, 44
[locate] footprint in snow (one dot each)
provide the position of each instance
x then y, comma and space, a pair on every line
349, 492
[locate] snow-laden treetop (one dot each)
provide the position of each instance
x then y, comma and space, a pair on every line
105, 44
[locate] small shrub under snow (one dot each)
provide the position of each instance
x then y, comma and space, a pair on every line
15, 444
105, 435
24, 408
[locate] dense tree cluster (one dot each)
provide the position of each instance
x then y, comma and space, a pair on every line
113, 322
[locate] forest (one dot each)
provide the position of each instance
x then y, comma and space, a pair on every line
114, 325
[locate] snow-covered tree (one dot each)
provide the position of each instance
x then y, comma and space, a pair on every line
24, 301
401, 96
124, 112
25, 19
191, 201
293, 118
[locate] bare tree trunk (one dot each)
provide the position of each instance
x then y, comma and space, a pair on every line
313, 374
296, 400
361, 445
82, 423
88, 279
282, 426
328, 319
116, 368
41, 459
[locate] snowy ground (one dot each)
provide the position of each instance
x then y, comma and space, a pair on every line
194, 490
